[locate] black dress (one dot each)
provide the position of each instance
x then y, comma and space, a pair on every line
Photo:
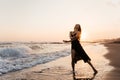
79, 52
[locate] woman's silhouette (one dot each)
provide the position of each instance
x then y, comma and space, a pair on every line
77, 52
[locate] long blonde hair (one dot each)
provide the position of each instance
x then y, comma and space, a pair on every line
78, 26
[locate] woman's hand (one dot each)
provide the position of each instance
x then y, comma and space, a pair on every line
65, 41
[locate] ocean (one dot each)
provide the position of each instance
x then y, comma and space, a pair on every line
19, 55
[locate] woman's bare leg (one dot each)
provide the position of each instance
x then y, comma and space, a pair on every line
95, 71
73, 60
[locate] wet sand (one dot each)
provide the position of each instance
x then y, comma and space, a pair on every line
60, 69
114, 56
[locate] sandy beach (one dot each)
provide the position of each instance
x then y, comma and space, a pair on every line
106, 63
114, 56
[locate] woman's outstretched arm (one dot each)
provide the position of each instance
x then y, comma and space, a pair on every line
67, 41
72, 37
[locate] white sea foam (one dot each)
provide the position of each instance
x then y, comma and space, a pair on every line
16, 56
17, 52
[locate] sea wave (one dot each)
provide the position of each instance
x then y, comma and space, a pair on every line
14, 52
15, 57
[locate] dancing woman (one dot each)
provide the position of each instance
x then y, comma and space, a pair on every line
77, 51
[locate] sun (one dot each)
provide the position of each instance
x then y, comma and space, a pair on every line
83, 36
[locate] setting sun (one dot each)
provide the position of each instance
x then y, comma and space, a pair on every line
83, 36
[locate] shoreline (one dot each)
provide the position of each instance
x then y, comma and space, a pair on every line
50, 70
60, 69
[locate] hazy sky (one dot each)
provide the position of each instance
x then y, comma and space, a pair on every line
51, 20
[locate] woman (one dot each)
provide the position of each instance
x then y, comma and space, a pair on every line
77, 52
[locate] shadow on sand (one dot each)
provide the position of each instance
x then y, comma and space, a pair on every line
84, 78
